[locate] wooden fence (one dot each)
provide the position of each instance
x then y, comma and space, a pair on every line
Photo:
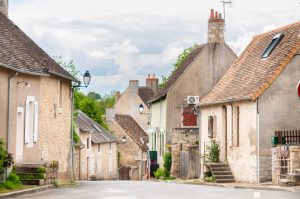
291, 136
189, 163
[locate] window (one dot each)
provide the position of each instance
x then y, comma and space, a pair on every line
188, 117
236, 126
212, 127
60, 94
88, 143
275, 41
98, 147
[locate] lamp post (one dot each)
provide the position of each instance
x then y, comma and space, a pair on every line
86, 81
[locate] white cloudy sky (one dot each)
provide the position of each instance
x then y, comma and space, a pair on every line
118, 40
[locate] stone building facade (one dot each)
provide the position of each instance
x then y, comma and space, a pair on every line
36, 108
196, 76
260, 84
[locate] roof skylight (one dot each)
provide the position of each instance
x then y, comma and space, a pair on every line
275, 41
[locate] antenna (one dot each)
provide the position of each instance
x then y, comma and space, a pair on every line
224, 3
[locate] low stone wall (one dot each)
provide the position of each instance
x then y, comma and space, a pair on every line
182, 139
284, 155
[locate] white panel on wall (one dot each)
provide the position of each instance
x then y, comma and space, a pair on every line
27, 139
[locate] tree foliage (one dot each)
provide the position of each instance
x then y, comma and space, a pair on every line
180, 59
6, 159
94, 95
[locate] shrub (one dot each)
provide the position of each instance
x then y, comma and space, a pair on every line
214, 152
14, 178
9, 185
41, 169
159, 173
167, 164
6, 159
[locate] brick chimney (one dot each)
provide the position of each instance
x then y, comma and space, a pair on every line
4, 7
152, 82
216, 26
133, 87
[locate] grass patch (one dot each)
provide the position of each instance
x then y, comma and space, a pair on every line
169, 178
20, 187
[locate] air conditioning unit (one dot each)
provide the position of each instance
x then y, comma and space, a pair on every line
192, 99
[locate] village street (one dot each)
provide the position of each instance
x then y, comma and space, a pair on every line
157, 190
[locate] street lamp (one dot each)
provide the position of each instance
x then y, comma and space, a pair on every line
141, 108
123, 141
86, 81
86, 78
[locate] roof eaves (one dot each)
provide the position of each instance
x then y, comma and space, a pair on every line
64, 76
158, 98
22, 71
224, 101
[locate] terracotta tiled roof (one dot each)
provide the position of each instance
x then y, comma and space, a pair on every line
181, 69
145, 93
250, 75
99, 134
132, 129
18, 52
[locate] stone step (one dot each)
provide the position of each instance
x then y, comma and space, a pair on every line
297, 171
220, 169
38, 182
224, 180
224, 177
286, 183
221, 172
293, 177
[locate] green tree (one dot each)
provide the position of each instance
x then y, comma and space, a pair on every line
180, 59
94, 95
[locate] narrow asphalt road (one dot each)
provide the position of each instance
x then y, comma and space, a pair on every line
154, 190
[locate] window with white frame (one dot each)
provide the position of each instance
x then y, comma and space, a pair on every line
31, 121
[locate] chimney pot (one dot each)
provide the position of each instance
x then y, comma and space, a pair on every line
211, 13
216, 15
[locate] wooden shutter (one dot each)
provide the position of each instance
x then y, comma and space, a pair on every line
188, 117
210, 126
36, 122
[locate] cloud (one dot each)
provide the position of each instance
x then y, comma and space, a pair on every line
120, 40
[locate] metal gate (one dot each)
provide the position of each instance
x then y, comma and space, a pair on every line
124, 173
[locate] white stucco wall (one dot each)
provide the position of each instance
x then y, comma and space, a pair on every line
243, 158
158, 124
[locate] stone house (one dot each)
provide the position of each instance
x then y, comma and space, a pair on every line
97, 154
130, 118
172, 117
132, 153
36, 100
256, 97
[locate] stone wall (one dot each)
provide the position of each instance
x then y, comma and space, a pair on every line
55, 124
129, 151
182, 139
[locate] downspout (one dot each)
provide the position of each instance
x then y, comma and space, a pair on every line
257, 141
8, 110
71, 134
200, 159
8, 134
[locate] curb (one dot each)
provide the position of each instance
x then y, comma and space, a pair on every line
243, 186
26, 191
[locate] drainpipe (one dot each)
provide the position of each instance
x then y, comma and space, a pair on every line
257, 141
8, 109
71, 134
8, 133
200, 159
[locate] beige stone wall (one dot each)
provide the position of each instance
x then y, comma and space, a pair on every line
129, 104
130, 152
54, 136
182, 139
3, 105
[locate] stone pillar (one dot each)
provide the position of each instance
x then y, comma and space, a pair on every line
294, 158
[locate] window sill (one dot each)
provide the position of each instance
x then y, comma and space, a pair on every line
189, 127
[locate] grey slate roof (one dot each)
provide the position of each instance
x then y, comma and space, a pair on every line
99, 134
19, 53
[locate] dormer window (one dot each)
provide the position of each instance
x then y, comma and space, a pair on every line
275, 41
